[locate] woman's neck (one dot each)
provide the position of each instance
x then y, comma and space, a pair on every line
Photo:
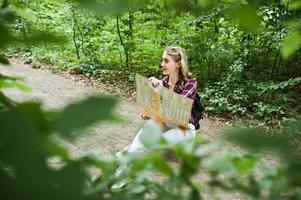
173, 79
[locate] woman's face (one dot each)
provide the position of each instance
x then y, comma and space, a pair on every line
169, 66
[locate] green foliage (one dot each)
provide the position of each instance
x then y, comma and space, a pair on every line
236, 93
82, 114
27, 151
291, 44
288, 172
13, 82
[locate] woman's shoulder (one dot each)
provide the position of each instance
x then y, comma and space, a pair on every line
191, 84
191, 81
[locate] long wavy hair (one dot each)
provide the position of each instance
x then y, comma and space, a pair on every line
178, 54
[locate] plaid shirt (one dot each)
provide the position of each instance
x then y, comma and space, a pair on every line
189, 90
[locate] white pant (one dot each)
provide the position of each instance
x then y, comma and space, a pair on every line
172, 134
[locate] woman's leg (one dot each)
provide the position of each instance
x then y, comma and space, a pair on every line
137, 145
172, 136
175, 135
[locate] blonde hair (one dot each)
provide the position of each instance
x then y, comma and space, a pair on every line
178, 54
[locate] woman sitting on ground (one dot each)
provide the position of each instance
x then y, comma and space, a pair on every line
176, 78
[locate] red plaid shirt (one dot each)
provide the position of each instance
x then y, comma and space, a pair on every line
189, 90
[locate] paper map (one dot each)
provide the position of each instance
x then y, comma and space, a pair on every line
162, 104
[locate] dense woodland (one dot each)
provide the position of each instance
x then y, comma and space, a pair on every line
245, 55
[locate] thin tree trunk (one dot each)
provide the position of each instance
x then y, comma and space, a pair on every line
81, 40
122, 43
275, 65
75, 44
209, 66
4, 4
23, 29
74, 34
130, 36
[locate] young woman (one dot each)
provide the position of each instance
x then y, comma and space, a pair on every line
176, 78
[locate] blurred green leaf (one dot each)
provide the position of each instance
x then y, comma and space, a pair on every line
294, 172
296, 5
54, 149
104, 162
118, 119
258, 139
162, 166
244, 164
22, 87
111, 7
293, 4
4, 60
22, 151
13, 82
27, 13
83, 114
190, 162
247, 17
7, 15
219, 163
151, 135
5, 36
33, 111
207, 149
206, 3
71, 180
44, 37
290, 45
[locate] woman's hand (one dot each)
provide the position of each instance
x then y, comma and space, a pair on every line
144, 117
155, 82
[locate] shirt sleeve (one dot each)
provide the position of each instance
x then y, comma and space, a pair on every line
190, 89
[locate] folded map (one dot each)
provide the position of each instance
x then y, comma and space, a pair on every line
162, 104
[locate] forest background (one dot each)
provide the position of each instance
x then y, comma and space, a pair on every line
235, 48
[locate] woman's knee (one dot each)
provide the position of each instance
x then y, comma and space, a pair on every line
191, 131
173, 136
152, 123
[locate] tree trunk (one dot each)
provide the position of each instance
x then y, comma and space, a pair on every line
122, 43
74, 34
275, 64
130, 38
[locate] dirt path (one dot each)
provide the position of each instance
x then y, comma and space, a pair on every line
55, 91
